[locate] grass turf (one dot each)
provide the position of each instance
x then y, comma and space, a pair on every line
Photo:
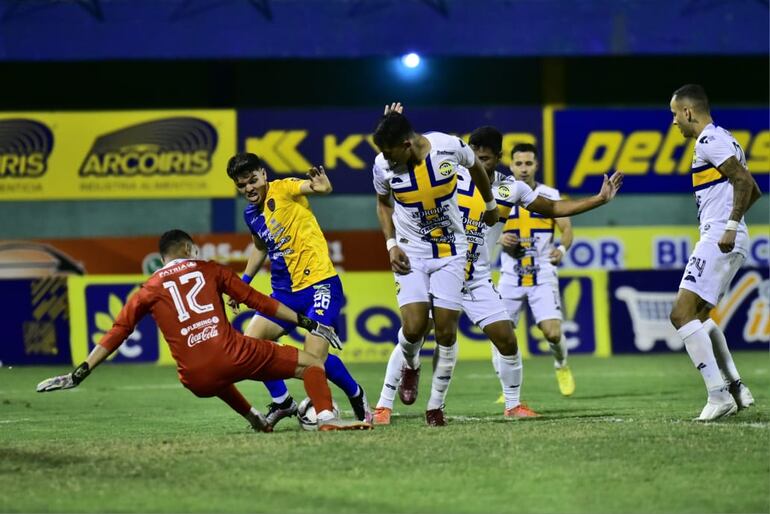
131, 439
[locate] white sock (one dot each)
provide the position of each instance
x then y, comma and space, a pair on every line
559, 351
721, 352
411, 350
495, 359
282, 398
698, 346
392, 378
442, 375
511, 375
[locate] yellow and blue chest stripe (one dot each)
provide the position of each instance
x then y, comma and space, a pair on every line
706, 176
526, 225
428, 193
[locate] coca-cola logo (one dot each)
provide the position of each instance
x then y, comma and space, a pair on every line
204, 335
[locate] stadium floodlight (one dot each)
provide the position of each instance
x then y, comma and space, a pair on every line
410, 60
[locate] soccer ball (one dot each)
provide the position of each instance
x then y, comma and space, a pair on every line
306, 414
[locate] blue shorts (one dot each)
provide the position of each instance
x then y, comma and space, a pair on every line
321, 301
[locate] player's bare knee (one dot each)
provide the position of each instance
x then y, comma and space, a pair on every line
552, 334
445, 337
679, 316
507, 347
414, 332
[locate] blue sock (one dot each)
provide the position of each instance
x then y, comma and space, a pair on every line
339, 375
277, 389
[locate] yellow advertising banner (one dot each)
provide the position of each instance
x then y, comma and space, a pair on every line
116, 155
369, 322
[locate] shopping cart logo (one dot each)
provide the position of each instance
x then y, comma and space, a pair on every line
649, 311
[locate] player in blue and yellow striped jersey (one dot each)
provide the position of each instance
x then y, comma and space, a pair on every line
529, 263
285, 230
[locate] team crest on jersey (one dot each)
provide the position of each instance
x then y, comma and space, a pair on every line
398, 287
446, 168
271, 204
503, 191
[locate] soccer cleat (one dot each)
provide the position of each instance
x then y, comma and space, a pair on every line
500, 399
360, 405
718, 406
741, 394
339, 424
566, 380
407, 390
259, 422
520, 411
435, 418
382, 416
277, 411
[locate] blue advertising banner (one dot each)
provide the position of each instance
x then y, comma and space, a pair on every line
103, 302
340, 140
640, 303
646, 147
39, 311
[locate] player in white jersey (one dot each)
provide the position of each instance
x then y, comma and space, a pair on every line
724, 191
529, 264
481, 302
415, 177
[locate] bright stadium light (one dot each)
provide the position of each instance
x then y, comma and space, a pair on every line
410, 60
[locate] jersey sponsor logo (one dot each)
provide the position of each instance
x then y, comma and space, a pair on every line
170, 146
446, 168
177, 268
25, 146
204, 335
199, 324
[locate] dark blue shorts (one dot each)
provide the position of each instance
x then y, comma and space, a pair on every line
321, 301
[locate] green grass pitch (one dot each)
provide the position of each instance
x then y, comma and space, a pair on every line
131, 439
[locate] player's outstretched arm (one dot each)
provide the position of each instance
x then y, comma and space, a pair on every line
317, 182
745, 192
124, 324
242, 293
564, 208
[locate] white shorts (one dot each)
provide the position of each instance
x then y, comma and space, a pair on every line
437, 280
709, 271
543, 299
483, 304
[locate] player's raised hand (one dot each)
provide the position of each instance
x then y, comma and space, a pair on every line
394, 107
319, 182
399, 262
610, 186
727, 241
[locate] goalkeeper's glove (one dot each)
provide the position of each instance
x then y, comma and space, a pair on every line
67, 381
320, 330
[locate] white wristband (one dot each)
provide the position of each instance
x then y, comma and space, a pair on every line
490, 205
562, 249
731, 225
391, 243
